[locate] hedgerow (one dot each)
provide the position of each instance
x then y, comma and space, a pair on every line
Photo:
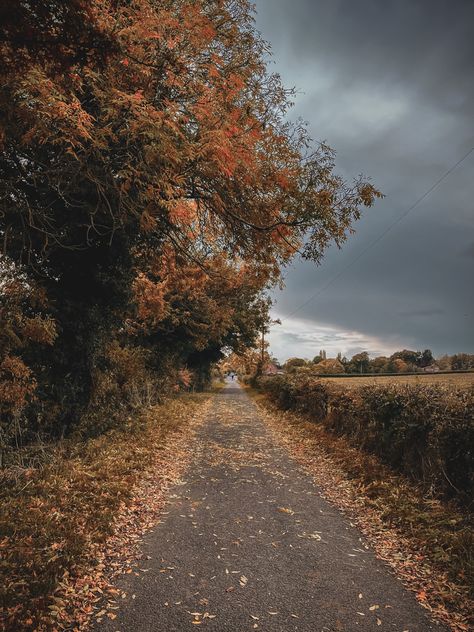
423, 431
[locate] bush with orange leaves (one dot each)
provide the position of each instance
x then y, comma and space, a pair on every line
23, 325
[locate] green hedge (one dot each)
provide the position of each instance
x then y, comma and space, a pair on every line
423, 431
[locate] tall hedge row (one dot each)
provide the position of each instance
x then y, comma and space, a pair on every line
423, 431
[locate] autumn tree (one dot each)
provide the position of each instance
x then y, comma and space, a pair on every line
444, 362
359, 363
397, 365
462, 361
408, 356
293, 364
379, 364
192, 314
145, 126
329, 366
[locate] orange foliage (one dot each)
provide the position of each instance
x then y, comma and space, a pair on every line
152, 129
21, 325
150, 300
16, 384
177, 115
200, 302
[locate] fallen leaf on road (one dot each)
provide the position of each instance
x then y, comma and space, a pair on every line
311, 536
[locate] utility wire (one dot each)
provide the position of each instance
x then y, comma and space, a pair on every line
381, 236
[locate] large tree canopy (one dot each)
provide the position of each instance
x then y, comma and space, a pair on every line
147, 163
181, 126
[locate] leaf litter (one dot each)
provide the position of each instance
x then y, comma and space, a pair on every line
86, 592
328, 459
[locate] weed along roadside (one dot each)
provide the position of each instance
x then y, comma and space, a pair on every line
417, 521
71, 525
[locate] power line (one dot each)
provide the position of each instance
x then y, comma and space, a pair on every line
381, 236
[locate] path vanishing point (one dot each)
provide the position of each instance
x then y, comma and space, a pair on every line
247, 542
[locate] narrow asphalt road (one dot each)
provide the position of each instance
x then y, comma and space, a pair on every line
247, 543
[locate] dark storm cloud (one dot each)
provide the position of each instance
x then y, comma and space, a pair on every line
423, 313
469, 252
389, 85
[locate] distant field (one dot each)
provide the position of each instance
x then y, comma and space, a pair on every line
461, 380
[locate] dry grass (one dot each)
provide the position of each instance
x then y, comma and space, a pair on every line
56, 517
458, 380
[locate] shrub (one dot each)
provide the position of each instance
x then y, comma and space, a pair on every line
423, 431
122, 383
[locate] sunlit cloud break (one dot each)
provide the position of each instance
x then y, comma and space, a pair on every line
305, 338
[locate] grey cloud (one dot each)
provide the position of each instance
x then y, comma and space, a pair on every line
423, 313
469, 251
389, 85
375, 44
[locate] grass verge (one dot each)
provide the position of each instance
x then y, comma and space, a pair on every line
428, 543
56, 518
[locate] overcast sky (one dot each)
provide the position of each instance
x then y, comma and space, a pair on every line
389, 84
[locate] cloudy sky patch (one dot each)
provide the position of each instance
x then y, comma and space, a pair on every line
307, 338
389, 86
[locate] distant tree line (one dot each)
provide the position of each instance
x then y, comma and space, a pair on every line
404, 361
